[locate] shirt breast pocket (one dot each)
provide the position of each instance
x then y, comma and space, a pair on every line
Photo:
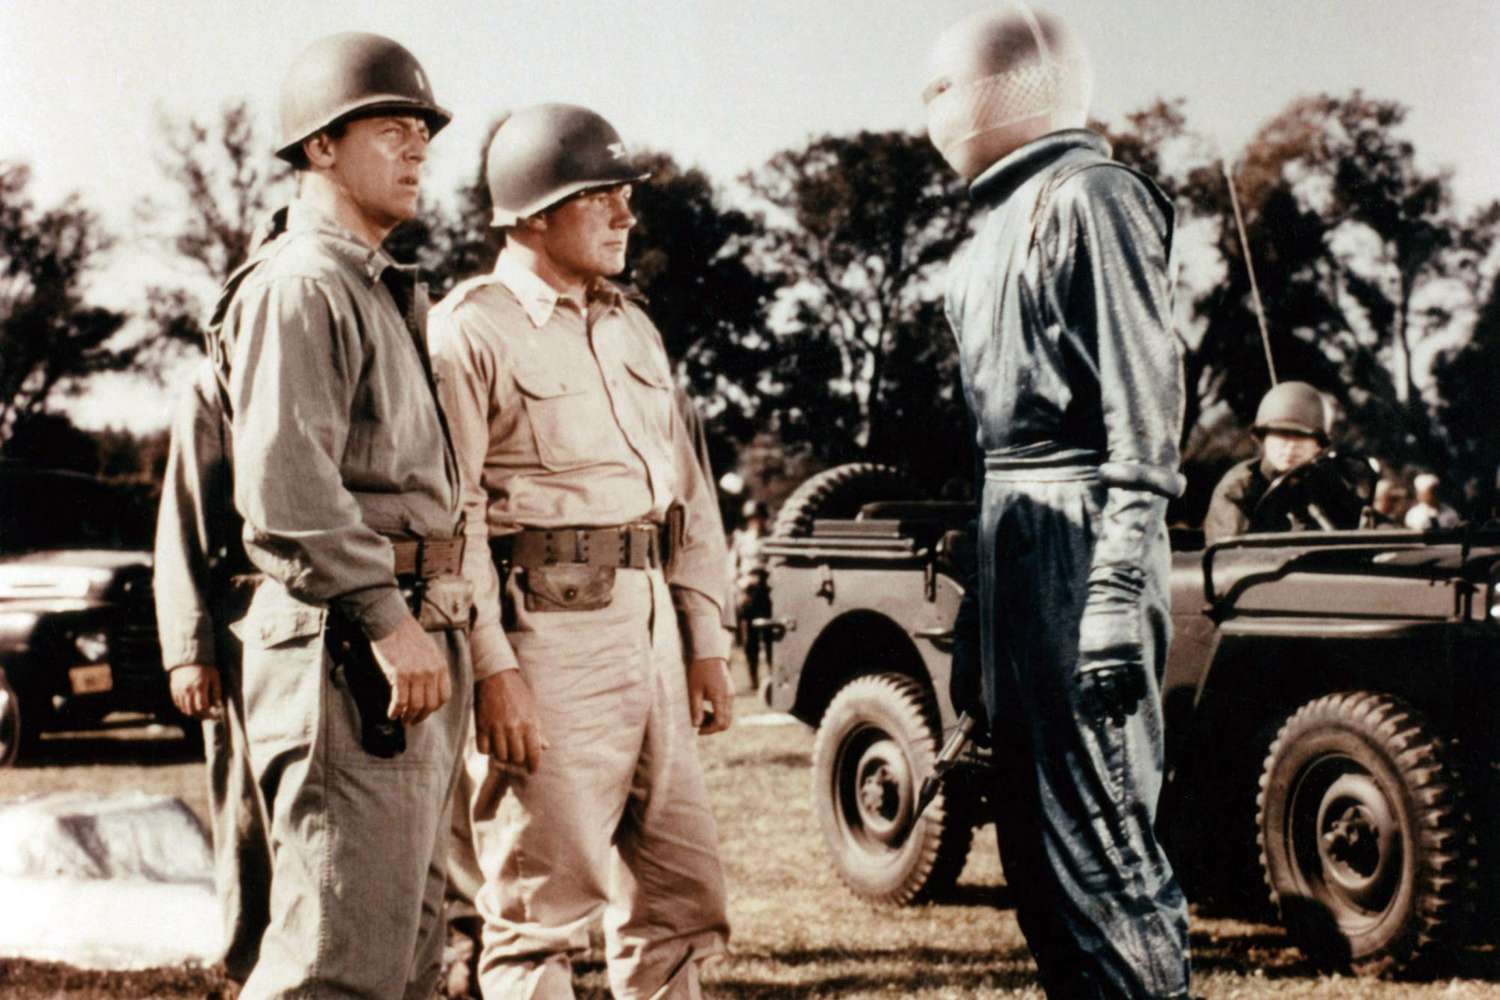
652, 391
570, 425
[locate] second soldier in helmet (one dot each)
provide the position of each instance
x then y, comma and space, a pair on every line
592, 534
1291, 424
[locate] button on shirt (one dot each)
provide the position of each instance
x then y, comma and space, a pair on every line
337, 437
563, 416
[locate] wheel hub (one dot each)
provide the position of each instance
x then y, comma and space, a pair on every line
1359, 841
878, 793
882, 792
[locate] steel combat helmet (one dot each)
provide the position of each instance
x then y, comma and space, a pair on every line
1001, 78
1292, 408
353, 73
542, 154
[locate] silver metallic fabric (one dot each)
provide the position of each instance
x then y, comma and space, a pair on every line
1061, 305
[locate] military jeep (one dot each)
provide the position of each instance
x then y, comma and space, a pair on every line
77, 625
1329, 702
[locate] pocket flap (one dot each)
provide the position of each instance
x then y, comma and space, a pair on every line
568, 587
541, 384
279, 626
648, 373
446, 602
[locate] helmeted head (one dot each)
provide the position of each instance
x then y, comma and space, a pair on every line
1001, 78
1292, 424
351, 75
546, 153
1426, 487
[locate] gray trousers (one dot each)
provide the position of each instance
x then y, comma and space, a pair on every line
237, 813
1095, 896
358, 843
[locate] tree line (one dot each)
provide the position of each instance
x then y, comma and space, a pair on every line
805, 315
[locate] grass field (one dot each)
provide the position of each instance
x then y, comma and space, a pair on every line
797, 931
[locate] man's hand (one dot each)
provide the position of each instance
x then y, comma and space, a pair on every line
1111, 692
417, 670
709, 678
196, 691
505, 721
1111, 656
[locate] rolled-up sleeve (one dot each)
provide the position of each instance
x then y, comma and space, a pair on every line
466, 376
294, 371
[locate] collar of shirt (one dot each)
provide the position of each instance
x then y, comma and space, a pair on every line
540, 299
1006, 174
372, 262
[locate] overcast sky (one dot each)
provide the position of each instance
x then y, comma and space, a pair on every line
719, 84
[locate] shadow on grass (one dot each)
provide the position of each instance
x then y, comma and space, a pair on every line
1247, 952
995, 897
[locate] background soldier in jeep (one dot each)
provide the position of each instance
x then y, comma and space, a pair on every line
1291, 424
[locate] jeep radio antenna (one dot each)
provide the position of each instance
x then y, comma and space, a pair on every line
1260, 309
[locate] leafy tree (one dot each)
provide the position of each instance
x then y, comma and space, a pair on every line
51, 341
858, 229
1361, 256
1467, 378
224, 184
54, 441
687, 257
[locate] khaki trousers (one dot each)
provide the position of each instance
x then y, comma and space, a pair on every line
616, 817
358, 843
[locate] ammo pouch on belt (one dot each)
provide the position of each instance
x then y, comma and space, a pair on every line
566, 587
573, 569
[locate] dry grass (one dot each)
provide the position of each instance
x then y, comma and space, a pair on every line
797, 931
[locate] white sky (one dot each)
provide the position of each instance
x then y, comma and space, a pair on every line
719, 84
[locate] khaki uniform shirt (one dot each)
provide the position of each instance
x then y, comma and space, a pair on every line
338, 441
193, 525
563, 415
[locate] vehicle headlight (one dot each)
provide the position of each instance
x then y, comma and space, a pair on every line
17, 624
92, 646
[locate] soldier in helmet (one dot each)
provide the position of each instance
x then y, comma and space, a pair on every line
1061, 307
598, 558
348, 489
1291, 424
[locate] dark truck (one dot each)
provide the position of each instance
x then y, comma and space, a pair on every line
77, 626
1329, 698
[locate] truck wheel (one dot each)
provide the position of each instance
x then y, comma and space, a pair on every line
1364, 838
876, 743
840, 492
11, 728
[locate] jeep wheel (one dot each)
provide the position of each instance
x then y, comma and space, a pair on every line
840, 492
11, 732
876, 743
1364, 839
